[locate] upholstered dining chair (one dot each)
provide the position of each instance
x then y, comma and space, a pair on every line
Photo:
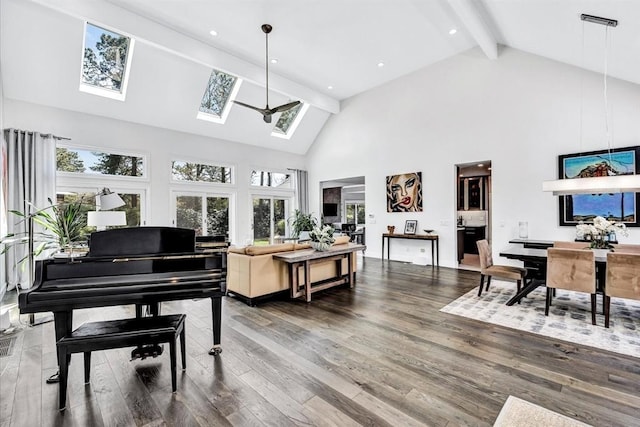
488, 269
623, 279
626, 248
572, 270
571, 245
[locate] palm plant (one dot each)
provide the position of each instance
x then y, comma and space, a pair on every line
62, 224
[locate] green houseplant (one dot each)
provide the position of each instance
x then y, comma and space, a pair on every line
63, 227
322, 237
301, 222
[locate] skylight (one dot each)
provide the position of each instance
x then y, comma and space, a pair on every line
106, 60
220, 89
289, 120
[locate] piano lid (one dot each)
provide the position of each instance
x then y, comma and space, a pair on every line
133, 241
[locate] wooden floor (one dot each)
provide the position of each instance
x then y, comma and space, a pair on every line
381, 354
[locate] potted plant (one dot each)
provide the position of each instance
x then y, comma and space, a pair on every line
601, 232
63, 228
322, 237
301, 222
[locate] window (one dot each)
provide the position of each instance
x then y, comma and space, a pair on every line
207, 214
355, 213
132, 207
197, 172
220, 89
289, 120
270, 179
106, 60
269, 220
77, 160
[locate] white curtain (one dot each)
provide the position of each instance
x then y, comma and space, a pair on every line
302, 190
31, 163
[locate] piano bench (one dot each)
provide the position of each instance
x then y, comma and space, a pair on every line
111, 334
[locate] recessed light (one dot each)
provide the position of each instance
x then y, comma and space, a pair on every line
213, 33
461, 175
274, 60
380, 64
480, 165
489, 168
453, 31
329, 87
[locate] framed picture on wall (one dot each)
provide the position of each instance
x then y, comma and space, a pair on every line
404, 192
410, 226
618, 207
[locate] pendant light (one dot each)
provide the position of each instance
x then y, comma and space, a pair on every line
600, 184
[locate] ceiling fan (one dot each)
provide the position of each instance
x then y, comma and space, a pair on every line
268, 112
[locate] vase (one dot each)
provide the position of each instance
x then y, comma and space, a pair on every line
320, 246
600, 253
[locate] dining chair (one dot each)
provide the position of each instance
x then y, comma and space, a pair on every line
623, 279
626, 248
489, 269
571, 245
572, 270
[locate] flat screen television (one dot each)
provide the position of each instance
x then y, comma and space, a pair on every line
330, 209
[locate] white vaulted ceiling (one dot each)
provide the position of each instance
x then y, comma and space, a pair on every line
318, 43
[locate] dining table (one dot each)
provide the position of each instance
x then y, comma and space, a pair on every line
535, 261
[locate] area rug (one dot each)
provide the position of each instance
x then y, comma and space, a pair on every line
518, 412
569, 317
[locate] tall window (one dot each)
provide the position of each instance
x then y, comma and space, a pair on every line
355, 213
105, 62
269, 219
221, 88
205, 213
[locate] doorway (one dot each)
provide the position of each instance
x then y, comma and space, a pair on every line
473, 210
343, 206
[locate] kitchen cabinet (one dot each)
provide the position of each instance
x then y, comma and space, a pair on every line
471, 193
460, 244
471, 236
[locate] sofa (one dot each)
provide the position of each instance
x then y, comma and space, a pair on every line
253, 274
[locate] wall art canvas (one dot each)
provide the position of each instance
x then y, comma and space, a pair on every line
404, 192
613, 206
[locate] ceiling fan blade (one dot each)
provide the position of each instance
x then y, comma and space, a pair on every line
284, 107
260, 110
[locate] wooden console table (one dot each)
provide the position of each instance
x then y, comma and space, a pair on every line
305, 258
431, 237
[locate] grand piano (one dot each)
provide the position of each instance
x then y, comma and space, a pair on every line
139, 265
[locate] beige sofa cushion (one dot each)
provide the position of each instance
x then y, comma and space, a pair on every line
299, 246
268, 249
237, 249
341, 240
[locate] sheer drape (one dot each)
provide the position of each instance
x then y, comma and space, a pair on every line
302, 189
31, 162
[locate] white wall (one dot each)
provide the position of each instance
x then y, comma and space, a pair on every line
520, 112
161, 146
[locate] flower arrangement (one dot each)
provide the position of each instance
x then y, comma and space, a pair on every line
600, 231
322, 237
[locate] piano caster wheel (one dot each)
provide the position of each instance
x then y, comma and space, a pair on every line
215, 351
145, 351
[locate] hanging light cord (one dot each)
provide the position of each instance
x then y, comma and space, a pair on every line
606, 100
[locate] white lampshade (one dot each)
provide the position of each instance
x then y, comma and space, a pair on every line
594, 185
109, 200
106, 218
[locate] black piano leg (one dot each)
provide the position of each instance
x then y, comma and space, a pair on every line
216, 313
63, 325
